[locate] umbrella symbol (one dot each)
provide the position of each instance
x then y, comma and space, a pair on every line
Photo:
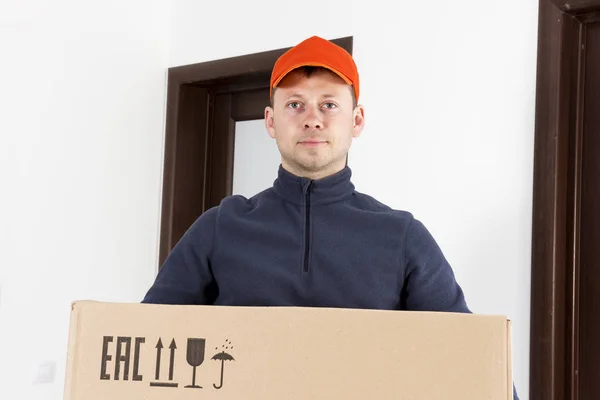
222, 356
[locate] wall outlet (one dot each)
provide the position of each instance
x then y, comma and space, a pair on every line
45, 373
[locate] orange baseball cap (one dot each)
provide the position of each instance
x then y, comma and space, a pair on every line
318, 52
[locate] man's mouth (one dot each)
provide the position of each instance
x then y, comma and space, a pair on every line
313, 142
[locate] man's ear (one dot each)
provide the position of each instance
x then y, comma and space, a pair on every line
358, 119
269, 121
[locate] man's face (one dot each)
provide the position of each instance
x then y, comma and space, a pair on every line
313, 121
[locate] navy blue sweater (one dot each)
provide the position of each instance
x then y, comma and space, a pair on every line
315, 243
308, 242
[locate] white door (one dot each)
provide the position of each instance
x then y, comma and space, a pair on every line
256, 158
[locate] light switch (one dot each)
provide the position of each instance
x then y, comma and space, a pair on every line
45, 373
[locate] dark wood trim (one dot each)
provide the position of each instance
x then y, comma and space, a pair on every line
201, 97
549, 230
221, 155
191, 169
589, 18
245, 107
576, 6
554, 340
549, 187
574, 213
589, 221
170, 157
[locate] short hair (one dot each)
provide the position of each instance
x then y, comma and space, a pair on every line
308, 70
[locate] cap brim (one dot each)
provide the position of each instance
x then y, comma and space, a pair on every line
311, 64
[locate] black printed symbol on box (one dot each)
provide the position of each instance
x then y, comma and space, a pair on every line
195, 357
123, 357
159, 348
127, 351
223, 356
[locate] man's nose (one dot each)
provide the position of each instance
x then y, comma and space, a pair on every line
313, 118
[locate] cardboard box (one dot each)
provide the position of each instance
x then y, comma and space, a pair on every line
142, 351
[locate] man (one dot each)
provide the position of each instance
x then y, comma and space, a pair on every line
311, 239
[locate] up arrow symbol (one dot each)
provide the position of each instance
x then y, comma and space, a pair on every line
173, 346
159, 347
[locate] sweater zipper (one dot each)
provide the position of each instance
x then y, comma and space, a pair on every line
307, 231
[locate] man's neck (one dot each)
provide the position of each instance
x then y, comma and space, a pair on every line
313, 175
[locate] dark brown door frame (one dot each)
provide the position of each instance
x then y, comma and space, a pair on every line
556, 198
202, 99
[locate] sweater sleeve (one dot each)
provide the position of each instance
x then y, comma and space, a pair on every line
430, 284
186, 276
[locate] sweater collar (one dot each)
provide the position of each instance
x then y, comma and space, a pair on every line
296, 189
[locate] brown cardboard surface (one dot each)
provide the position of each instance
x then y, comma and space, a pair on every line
142, 351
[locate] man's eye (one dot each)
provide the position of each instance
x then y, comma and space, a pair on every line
294, 104
330, 105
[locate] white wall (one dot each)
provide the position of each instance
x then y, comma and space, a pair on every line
449, 95
82, 89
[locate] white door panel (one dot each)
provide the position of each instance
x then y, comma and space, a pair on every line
256, 158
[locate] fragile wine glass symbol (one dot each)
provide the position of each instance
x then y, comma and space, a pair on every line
195, 357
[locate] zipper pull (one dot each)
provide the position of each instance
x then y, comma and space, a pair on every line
306, 186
